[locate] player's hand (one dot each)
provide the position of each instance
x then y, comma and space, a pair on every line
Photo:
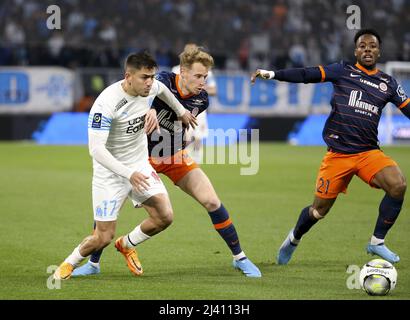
264, 74
139, 181
188, 120
151, 122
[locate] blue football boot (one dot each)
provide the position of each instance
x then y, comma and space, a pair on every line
383, 252
286, 250
86, 270
247, 268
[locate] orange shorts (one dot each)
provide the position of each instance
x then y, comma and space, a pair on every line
337, 169
174, 167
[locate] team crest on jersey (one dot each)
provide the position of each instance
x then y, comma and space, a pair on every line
195, 111
401, 93
96, 120
383, 86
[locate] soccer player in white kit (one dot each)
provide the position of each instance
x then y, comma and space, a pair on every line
170, 158
118, 145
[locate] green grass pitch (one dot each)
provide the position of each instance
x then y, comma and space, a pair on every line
45, 196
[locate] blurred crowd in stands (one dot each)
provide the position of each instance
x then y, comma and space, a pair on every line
241, 34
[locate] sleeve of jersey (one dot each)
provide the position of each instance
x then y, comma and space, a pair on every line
299, 75
406, 109
401, 100
331, 72
166, 95
98, 130
309, 74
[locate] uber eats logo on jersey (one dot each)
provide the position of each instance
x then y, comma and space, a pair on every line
136, 124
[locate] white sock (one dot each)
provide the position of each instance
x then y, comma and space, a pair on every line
376, 241
239, 256
135, 237
75, 257
293, 239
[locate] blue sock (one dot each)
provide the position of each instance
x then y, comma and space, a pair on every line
224, 226
389, 210
305, 222
96, 256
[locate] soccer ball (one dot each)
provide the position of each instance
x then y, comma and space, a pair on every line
378, 277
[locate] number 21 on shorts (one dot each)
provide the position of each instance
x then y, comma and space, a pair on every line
323, 186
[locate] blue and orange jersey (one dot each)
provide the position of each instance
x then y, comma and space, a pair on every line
158, 145
358, 99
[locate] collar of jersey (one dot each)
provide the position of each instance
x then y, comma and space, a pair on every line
370, 73
180, 90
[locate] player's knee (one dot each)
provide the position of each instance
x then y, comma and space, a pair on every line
212, 204
319, 212
165, 220
398, 189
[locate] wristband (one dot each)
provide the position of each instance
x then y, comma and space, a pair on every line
267, 74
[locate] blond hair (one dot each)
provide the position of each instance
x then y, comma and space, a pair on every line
192, 53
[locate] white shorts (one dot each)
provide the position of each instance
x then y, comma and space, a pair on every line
109, 194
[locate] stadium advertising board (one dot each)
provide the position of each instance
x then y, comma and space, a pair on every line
35, 90
237, 95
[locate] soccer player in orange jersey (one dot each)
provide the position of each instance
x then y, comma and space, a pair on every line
171, 159
361, 91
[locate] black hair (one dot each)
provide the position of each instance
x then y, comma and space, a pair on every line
367, 31
140, 60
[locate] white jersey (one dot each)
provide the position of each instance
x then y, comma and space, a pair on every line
117, 139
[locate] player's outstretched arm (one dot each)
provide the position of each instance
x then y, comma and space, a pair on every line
295, 75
